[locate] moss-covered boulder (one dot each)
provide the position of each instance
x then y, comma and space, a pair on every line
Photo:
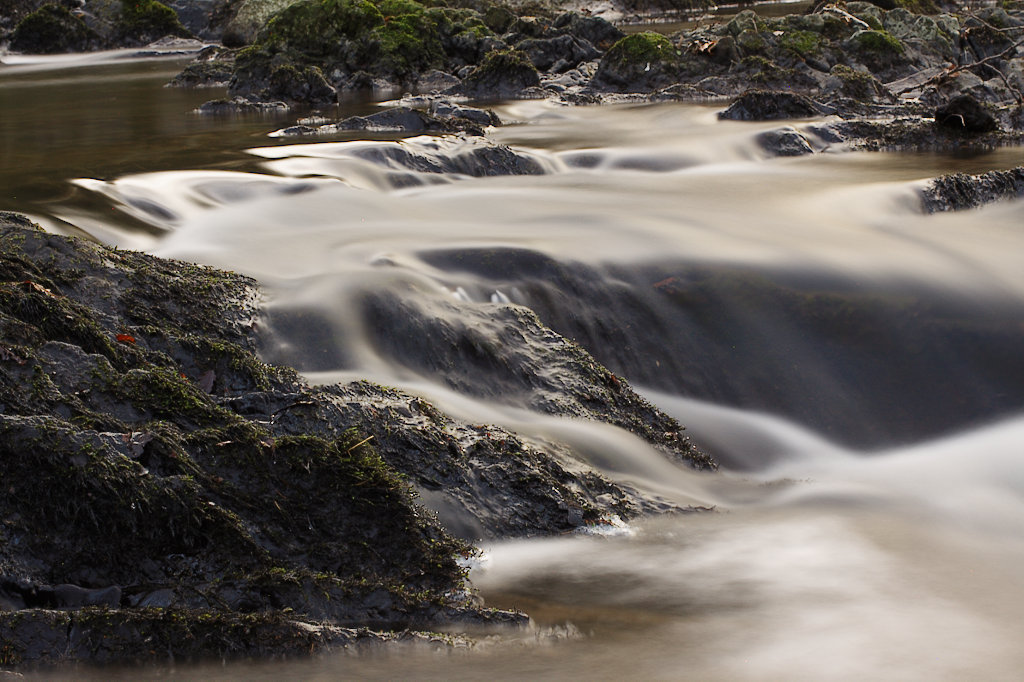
879, 50
52, 29
501, 74
639, 63
845, 82
130, 470
143, 21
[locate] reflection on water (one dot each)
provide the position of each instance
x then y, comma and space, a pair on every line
820, 563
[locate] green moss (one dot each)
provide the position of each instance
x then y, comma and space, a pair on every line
51, 29
147, 20
640, 48
751, 41
880, 43
763, 71
405, 44
856, 84
165, 393
55, 316
802, 42
318, 29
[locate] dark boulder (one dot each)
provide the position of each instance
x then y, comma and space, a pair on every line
761, 105
546, 52
965, 114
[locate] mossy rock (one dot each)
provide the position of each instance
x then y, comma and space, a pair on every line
750, 41
122, 467
858, 85
504, 73
880, 43
143, 21
639, 63
320, 29
880, 51
406, 43
803, 43
498, 18
53, 29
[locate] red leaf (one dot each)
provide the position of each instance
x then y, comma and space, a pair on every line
125, 338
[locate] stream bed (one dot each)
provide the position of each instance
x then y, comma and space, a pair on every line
853, 363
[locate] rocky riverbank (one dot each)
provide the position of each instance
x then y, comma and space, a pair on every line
168, 496
907, 77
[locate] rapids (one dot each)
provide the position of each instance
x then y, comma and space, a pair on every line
853, 363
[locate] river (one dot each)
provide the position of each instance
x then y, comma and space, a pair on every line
853, 363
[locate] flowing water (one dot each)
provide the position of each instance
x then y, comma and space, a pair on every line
854, 363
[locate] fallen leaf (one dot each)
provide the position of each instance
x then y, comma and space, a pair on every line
39, 288
125, 338
206, 381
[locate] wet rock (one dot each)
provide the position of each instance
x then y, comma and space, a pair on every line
785, 142
760, 105
443, 117
451, 156
461, 343
241, 105
448, 110
961, 191
212, 68
161, 636
964, 114
482, 481
404, 119
436, 81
